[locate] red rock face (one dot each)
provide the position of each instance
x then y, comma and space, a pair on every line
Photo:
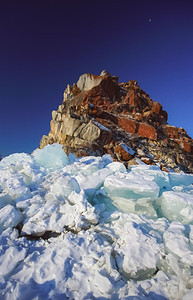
147, 131
105, 137
171, 132
156, 108
121, 153
188, 147
128, 125
104, 94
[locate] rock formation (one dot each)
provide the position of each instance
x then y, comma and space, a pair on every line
98, 115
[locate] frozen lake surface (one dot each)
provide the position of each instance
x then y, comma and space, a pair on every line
88, 228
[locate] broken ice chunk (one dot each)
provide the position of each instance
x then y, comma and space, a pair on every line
141, 206
9, 217
116, 167
102, 283
180, 179
188, 295
51, 156
131, 186
15, 159
138, 250
93, 182
10, 258
175, 239
124, 204
177, 206
64, 185
160, 177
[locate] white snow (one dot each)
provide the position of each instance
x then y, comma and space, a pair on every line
9, 217
127, 148
101, 126
88, 228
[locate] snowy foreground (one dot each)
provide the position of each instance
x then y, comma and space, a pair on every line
90, 229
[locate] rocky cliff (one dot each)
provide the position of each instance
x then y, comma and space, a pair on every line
98, 115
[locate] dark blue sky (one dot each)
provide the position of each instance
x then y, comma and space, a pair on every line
46, 44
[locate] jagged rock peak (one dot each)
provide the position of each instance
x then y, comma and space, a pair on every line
85, 82
105, 73
88, 81
98, 115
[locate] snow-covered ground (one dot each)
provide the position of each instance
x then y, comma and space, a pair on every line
90, 229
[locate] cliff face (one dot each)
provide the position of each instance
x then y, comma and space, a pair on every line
98, 115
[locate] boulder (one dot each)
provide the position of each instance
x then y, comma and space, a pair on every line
124, 152
45, 140
69, 125
55, 127
156, 107
171, 131
68, 95
88, 81
90, 132
188, 147
105, 73
128, 125
147, 131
